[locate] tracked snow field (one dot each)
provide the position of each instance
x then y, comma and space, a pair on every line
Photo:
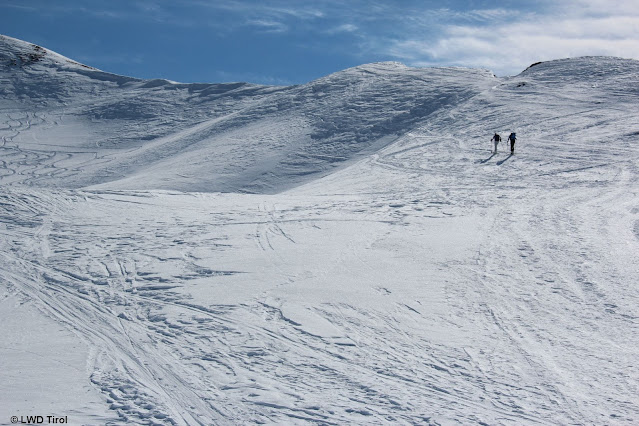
344, 252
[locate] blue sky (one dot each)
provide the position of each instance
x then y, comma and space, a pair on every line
288, 42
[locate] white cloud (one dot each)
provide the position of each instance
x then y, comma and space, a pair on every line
504, 39
509, 47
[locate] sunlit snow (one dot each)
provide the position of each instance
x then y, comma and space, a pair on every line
347, 251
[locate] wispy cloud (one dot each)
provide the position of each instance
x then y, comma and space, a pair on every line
272, 18
597, 7
110, 59
297, 13
492, 15
225, 76
268, 26
510, 45
341, 29
502, 36
135, 11
18, 6
282, 8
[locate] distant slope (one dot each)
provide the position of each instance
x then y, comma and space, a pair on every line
96, 128
569, 114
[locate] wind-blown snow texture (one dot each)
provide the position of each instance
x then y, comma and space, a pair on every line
344, 251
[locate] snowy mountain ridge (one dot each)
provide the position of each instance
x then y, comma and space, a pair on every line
346, 251
226, 137
328, 122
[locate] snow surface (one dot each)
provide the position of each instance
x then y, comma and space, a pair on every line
345, 251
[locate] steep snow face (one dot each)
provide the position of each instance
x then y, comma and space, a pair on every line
400, 273
119, 132
33, 76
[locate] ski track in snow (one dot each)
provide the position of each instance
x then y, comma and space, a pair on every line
428, 282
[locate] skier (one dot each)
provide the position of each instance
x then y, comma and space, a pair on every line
496, 139
512, 138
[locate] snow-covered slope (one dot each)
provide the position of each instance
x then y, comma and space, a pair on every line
387, 269
119, 132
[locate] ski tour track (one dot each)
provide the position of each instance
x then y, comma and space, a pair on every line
207, 308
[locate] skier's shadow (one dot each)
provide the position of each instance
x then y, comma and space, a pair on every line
499, 163
488, 159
